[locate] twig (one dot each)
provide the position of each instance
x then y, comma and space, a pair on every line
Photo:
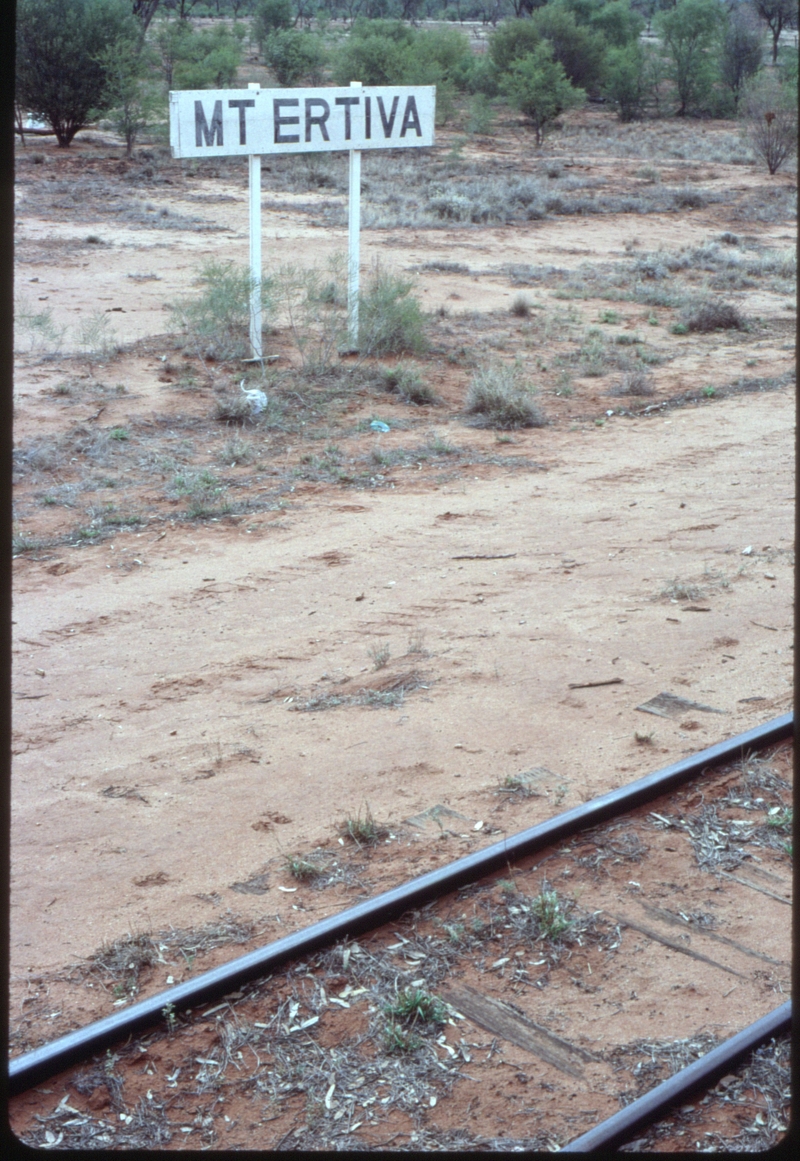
593, 684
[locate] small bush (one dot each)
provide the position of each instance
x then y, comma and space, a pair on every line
636, 383
405, 381
521, 306
217, 322
498, 397
771, 120
233, 409
714, 316
390, 318
381, 655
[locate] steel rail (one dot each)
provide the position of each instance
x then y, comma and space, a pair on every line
51, 1058
698, 1075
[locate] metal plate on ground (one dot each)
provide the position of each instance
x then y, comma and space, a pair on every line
436, 817
669, 705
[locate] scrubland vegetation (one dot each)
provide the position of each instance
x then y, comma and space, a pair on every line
117, 59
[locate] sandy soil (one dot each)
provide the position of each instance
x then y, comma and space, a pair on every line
192, 697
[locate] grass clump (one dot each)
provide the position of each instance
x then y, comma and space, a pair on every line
302, 869
380, 655
406, 381
202, 489
416, 1006
550, 913
498, 397
714, 315
391, 321
636, 383
521, 306
363, 831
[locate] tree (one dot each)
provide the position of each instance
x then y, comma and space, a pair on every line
145, 10
199, 60
740, 54
777, 15
60, 76
271, 16
688, 33
538, 86
771, 113
513, 40
618, 24
579, 49
295, 54
624, 85
133, 97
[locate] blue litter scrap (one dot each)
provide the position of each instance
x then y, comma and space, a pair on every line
379, 425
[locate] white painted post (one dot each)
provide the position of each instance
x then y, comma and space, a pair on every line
255, 251
353, 249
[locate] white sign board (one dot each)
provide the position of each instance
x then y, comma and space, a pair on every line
230, 122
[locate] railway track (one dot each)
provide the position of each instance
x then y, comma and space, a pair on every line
589, 973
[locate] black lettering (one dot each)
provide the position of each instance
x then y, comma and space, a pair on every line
387, 125
281, 138
320, 119
241, 106
201, 129
411, 118
368, 117
347, 102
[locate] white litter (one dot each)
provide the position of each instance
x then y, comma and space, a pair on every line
255, 397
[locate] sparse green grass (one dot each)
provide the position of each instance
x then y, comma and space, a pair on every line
551, 914
302, 869
782, 819
500, 398
416, 1006
364, 831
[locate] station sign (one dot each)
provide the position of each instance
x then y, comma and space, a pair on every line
231, 122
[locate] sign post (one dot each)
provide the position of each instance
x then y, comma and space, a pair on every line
254, 121
256, 338
353, 241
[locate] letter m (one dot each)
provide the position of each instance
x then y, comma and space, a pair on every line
201, 129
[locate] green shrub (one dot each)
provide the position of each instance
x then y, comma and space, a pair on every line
217, 321
295, 56
689, 33
619, 25
390, 318
271, 16
513, 40
624, 84
500, 400
538, 86
481, 115
579, 49
205, 59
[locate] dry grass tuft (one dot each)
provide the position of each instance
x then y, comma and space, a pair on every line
498, 397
